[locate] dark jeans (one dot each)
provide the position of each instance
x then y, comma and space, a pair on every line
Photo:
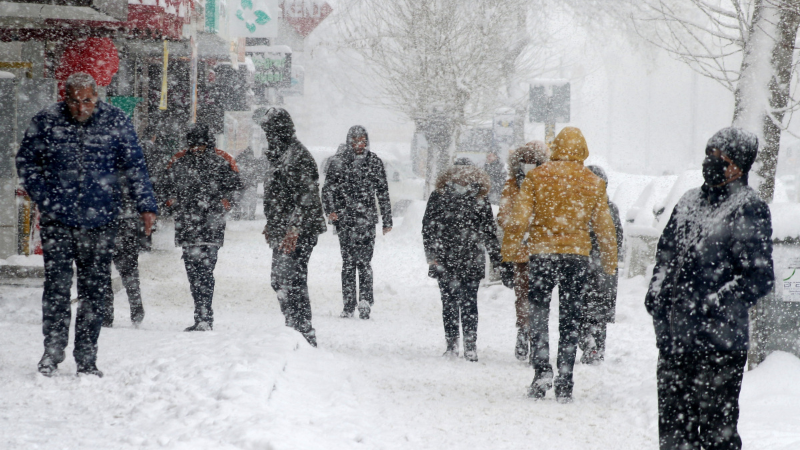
126, 258
200, 261
698, 400
568, 272
598, 309
289, 279
459, 305
91, 250
357, 246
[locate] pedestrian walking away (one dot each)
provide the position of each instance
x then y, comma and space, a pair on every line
558, 204
354, 183
514, 249
250, 172
601, 291
496, 170
713, 263
458, 229
293, 208
70, 162
201, 183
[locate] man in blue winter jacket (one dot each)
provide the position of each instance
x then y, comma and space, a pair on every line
69, 162
714, 261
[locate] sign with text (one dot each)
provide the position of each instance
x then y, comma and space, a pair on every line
305, 15
273, 66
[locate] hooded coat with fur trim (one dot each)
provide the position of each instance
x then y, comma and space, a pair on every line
561, 201
458, 225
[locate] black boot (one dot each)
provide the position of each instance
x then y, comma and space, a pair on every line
470, 344
200, 326
452, 348
89, 369
542, 381
521, 349
137, 313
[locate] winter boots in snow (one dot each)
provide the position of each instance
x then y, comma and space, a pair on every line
200, 326
363, 309
311, 337
452, 348
470, 352
523, 342
541, 383
346, 314
90, 369
563, 389
50, 361
137, 313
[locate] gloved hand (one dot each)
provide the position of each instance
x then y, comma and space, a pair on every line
507, 274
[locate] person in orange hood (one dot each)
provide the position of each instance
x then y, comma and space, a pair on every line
558, 204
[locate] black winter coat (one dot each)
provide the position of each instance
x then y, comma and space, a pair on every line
714, 262
456, 230
291, 194
199, 182
351, 188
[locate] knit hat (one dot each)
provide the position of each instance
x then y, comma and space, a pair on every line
199, 135
739, 145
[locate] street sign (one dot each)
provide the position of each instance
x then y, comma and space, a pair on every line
550, 101
305, 15
254, 18
273, 66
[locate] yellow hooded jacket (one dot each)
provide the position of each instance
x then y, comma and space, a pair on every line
561, 200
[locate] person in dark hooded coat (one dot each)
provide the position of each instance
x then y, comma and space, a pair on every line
201, 183
713, 263
457, 230
355, 179
294, 214
600, 292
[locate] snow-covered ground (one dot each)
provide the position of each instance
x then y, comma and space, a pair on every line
377, 384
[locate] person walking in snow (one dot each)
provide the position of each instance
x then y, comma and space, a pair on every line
355, 179
250, 172
458, 229
514, 250
69, 162
496, 170
558, 204
713, 263
127, 244
294, 214
201, 183
601, 291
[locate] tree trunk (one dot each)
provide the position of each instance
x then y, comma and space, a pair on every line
763, 89
782, 60
439, 134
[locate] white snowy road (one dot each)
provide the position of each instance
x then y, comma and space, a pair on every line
377, 384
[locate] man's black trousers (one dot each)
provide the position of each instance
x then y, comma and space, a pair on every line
357, 246
91, 249
698, 400
568, 272
200, 261
459, 305
289, 279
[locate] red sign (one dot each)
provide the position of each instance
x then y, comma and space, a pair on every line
305, 15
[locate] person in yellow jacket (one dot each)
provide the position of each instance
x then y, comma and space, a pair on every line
514, 250
558, 203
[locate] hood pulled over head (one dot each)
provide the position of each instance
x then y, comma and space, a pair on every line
570, 145
465, 175
354, 132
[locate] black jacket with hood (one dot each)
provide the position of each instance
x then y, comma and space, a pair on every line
352, 185
458, 226
291, 185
